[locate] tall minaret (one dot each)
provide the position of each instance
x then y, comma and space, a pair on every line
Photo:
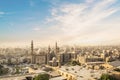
59, 61
56, 48
49, 49
48, 54
32, 52
32, 47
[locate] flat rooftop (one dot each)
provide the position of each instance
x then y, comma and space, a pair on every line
82, 73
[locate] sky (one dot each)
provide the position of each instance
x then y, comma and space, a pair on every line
76, 22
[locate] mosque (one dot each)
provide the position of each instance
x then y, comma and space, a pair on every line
51, 57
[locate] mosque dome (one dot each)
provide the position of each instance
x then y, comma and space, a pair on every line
54, 59
38, 51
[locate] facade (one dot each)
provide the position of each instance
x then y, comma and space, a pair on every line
37, 57
91, 62
51, 57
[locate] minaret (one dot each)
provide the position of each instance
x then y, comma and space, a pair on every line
48, 54
56, 48
49, 49
32, 47
32, 52
59, 61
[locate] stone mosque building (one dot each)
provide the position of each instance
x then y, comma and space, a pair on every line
51, 57
37, 57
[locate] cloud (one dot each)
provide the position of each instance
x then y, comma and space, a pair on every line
83, 19
36, 29
2, 13
90, 1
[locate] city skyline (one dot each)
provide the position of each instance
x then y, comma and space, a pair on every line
84, 22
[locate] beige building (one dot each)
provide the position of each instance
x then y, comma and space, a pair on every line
51, 57
37, 57
84, 59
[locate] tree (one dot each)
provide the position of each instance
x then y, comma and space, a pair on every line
3, 70
42, 77
17, 71
75, 63
29, 78
107, 77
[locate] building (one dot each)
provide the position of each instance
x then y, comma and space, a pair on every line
52, 57
37, 57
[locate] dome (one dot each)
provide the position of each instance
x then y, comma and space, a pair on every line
38, 51
54, 59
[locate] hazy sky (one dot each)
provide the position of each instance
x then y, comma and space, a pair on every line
84, 22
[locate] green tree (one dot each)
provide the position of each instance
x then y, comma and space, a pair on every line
42, 77
75, 63
107, 77
17, 70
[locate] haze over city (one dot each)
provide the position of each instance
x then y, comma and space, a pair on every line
59, 39
83, 22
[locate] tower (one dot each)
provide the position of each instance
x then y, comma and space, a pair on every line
49, 49
48, 54
32, 52
59, 60
56, 48
32, 47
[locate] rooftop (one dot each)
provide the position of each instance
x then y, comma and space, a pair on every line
82, 73
115, 63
